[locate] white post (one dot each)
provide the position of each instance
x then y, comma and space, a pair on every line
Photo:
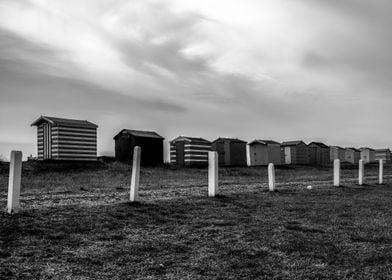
381, 172
212, 173
361, 173
336, 173
271, 177
134, 194
14, 182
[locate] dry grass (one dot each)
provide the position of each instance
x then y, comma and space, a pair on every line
77, 225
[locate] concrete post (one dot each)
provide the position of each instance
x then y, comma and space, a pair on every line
14, 182
271, 177
381, 172
336, 173
361, 173
134, 194
212, 174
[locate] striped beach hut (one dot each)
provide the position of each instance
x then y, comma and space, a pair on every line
384, 154
263, 152
231, 151
295, 152
150, 142
353, 155
66, 139
189, 151
318, 153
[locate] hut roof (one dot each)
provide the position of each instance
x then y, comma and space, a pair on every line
321, 145
354, 149
292, 143
236, 140
190, 139
366, 148
139, 133
64, 122
338, 147
262, 142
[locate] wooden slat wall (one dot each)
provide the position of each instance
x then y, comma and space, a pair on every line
173, 153
196, 153
40, 142
74, 143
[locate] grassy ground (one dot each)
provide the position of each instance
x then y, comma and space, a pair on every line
76, 224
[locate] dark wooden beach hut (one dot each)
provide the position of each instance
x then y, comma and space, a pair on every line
231, 151
150, 142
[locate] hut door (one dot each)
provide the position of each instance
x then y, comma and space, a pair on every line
47, 141
313, 155
287, 155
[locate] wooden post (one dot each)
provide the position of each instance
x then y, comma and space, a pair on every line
336, 173
381, 172
271, 177
14, 182
212, 174
134, 194
361, 173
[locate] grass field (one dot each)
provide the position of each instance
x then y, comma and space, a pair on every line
77, 224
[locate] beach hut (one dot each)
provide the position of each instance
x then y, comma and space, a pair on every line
368, 155
263, 152
319, 153
231, 151
352, 155
189, 151
337, 152
384, 154
66, 139
150, 142
295, 152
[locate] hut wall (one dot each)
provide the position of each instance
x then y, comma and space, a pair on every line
196, 153
73, 143
384, 155
258, 154
368, 156
274, 155
123, 148
301, 156
220, 147
151, 150
237, 154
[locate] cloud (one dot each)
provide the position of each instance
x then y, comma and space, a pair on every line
253, 70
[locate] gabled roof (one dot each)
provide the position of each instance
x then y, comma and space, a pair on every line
262, 142
64, 122
189, 139
292, 143
353, 149
236, 140
321, 145
338, 147
139, 133
366, 148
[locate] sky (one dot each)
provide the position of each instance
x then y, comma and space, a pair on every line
314, 70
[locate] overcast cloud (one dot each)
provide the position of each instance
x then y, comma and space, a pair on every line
284, 70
